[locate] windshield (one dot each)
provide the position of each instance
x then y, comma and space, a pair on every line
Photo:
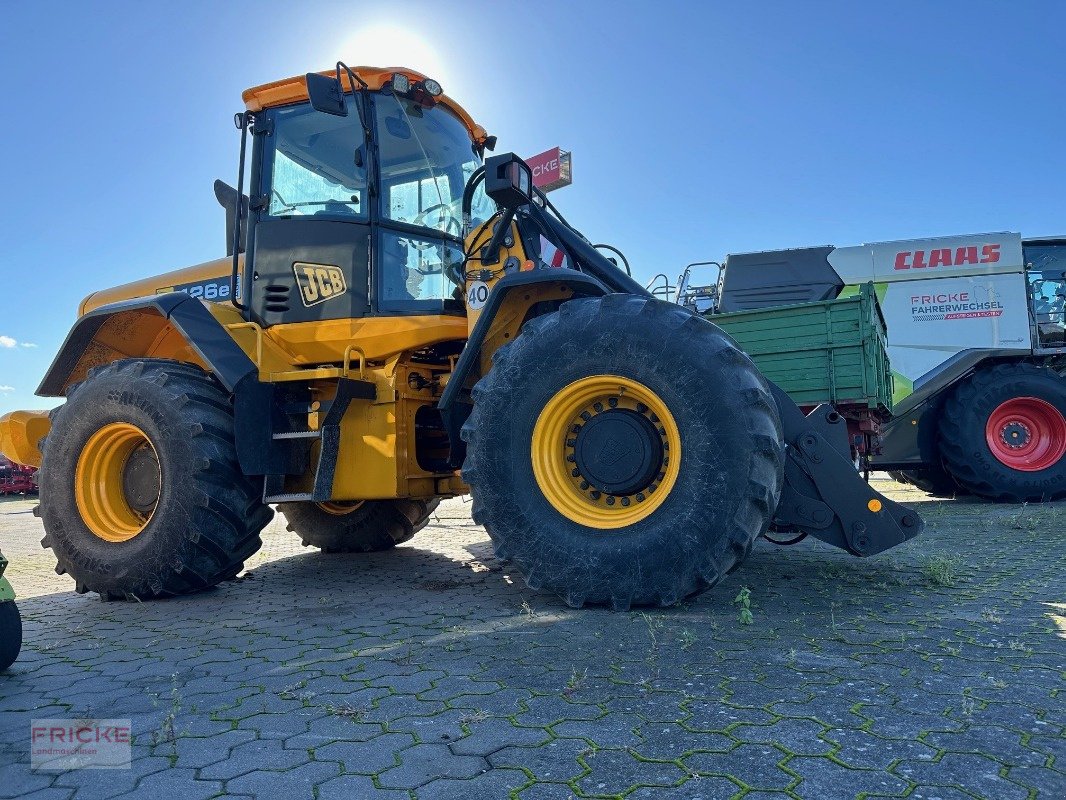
426, 157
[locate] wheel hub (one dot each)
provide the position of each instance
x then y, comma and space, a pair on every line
606, 451
140, 480
1027, 434
1016, 435
117, 482
619, 451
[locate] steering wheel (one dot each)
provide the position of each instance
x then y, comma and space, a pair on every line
450, 221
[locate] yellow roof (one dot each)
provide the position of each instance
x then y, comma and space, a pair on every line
294, 90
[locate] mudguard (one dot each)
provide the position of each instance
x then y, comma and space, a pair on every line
454, 403
204, 334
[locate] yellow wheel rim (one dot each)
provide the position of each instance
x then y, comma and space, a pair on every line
102, 482
606, 451
340, 509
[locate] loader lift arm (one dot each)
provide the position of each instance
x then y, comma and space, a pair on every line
824, 495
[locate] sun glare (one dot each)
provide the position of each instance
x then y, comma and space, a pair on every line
388, 45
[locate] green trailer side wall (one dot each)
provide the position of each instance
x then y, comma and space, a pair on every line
829, 351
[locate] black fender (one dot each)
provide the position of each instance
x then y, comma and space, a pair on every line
206, 335
454, 403
257, 407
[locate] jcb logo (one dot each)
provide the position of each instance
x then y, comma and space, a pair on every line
318, 282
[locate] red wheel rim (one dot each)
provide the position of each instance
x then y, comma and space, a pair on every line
1027, 434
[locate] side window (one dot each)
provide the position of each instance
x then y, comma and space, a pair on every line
416, 274
317, 165
1046, 271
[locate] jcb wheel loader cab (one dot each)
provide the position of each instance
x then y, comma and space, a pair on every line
622, 450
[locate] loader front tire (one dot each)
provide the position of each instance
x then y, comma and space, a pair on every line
367, 527
141, 492
623, 451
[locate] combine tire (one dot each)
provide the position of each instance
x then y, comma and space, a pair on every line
366, 527
10, 633
623, 451
934, 481
141, 492
1003, 434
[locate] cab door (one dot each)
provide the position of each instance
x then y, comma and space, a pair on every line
309, 252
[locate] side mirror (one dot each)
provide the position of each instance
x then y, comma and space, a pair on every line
326, 94
227, 198
508, 180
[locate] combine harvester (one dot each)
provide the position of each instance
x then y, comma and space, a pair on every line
391, 330
976, 334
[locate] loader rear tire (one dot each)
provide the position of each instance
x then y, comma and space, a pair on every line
10, 633
1003, 433
367, 527
673, 434
141, 492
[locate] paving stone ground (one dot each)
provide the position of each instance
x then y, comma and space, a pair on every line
937, 670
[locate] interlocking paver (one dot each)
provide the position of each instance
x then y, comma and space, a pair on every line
492, 785
423, 763
490, 735
753, 765
297, 782
613, 772
350, 787
342, 675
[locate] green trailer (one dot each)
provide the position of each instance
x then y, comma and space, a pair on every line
832, 351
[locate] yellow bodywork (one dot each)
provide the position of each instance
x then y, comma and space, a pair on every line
20, 433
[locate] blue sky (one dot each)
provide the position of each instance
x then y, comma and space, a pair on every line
697, 129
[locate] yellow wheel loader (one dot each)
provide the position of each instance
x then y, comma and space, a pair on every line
401, 320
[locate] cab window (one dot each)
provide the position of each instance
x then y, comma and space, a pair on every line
318, 165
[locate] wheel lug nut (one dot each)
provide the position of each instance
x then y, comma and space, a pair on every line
640, 497
584, 485
575, 472
575, 429
594, 495
586, 416
598, 407
613, 402
642, 408
571, 458
571, 442
610, 501
625, 501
